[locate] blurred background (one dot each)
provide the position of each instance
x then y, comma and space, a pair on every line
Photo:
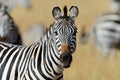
86, 65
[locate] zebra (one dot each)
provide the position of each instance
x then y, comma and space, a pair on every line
45, 59
11, 4
106, 31
8, 30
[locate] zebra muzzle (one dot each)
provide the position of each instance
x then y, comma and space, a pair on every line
66, 59
65, 48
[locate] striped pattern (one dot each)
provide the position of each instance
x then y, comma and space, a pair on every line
106, 32
29, 63
43, 60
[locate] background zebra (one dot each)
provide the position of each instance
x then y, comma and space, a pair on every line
8, 30
33, 34
11, 4
106, 31
44, 60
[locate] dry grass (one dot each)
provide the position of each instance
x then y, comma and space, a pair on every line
86, 63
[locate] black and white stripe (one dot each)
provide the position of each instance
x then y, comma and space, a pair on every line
46, 59
8, 31
106, 31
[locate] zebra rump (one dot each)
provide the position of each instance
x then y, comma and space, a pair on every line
8, 31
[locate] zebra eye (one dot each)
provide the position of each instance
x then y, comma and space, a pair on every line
56, 33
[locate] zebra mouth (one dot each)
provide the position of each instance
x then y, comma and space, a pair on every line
66, 59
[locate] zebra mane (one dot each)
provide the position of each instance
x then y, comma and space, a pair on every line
65, 11
10, 17
48, 29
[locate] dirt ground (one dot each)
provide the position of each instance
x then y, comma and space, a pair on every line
86, 65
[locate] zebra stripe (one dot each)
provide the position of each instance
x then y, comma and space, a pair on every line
46, 59
106, 33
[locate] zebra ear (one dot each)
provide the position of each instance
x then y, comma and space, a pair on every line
74, 12
56, 12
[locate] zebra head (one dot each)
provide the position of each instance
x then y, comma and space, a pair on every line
64, 32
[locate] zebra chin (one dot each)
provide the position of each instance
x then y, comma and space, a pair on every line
66, 59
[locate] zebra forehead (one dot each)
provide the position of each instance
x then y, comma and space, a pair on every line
65, 26
63, 22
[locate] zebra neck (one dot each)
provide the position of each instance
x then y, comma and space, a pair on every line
49, 41
47, 36
50, 57
48, 62
53, 60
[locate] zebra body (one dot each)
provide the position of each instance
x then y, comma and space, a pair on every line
23, 63
8, 30
46, 59
106, 32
